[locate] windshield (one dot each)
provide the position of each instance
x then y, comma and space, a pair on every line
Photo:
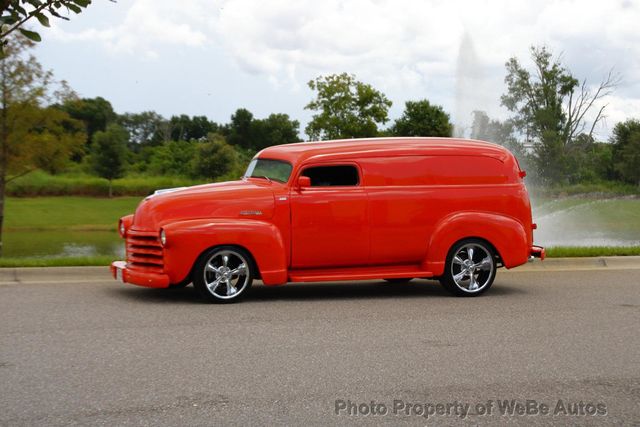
276, 170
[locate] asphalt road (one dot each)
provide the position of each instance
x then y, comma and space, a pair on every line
103, 353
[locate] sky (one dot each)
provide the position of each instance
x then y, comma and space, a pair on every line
211, 57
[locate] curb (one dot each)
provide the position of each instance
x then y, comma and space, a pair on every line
53, 275
18, 275
585, 263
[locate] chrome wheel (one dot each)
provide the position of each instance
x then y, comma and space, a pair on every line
472, 267
226, 274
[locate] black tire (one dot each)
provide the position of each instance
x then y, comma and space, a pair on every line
400, 280
213, 277
458, 270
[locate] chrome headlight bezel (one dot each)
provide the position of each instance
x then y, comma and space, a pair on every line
162, 236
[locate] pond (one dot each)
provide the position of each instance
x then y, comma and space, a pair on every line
62, 243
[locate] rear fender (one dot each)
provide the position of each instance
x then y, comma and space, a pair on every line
506, 234
187, 240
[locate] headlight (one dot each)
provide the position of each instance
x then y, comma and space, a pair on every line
163, 237
122, 229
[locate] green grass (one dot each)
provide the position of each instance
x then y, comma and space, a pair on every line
101, 260
591, 251
607, 188
67, 213
565, 221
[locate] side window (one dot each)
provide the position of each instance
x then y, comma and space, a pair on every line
327, 176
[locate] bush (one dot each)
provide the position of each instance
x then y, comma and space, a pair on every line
214, 158
42, 184
613, 188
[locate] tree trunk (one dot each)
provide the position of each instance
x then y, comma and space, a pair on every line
4, 144
2, 188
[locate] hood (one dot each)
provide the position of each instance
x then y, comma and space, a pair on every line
235, 199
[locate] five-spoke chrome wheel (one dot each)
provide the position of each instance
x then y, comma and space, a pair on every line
470, 268
223, 274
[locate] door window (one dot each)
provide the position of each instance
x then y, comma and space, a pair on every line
329, 176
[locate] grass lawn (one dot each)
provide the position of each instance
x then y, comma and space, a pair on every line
101, 260
74, 230
591, 251
585, 222
68, 213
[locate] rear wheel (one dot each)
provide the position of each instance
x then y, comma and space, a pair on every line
470, 268
223, 274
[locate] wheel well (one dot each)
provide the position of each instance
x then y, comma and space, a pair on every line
251, 259
498, 257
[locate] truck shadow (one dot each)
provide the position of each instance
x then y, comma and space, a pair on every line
313, 291
360, 290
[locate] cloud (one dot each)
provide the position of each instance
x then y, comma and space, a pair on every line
148, 25
413, 45
407, 48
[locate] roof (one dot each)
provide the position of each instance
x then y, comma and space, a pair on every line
377, 147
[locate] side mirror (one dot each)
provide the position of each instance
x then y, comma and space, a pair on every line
304, 182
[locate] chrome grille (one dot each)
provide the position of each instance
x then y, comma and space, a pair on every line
144, 250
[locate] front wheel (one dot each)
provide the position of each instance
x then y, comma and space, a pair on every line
223, 274
470, 268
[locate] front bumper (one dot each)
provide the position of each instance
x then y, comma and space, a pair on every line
538, 252
120, 271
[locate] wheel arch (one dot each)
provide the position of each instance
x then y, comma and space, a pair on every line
496, 252
505, 235
188, 240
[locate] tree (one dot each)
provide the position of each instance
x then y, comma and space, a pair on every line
196, 128
346, 108
486, 129
145, 129
551, 108
420, 118
32, 135
109, 153
276, 129
97, 113
16, 13
588, 160
239, 131
626, 150
253, 134
53, 139
173, 158
214, 158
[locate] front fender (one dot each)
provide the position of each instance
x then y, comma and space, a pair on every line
506, 234
186, 240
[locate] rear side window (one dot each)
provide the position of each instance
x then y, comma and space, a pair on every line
329, 176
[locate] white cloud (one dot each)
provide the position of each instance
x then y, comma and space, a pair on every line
407, 48
411, 46
148, 26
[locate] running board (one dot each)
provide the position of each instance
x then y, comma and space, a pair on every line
357, 273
